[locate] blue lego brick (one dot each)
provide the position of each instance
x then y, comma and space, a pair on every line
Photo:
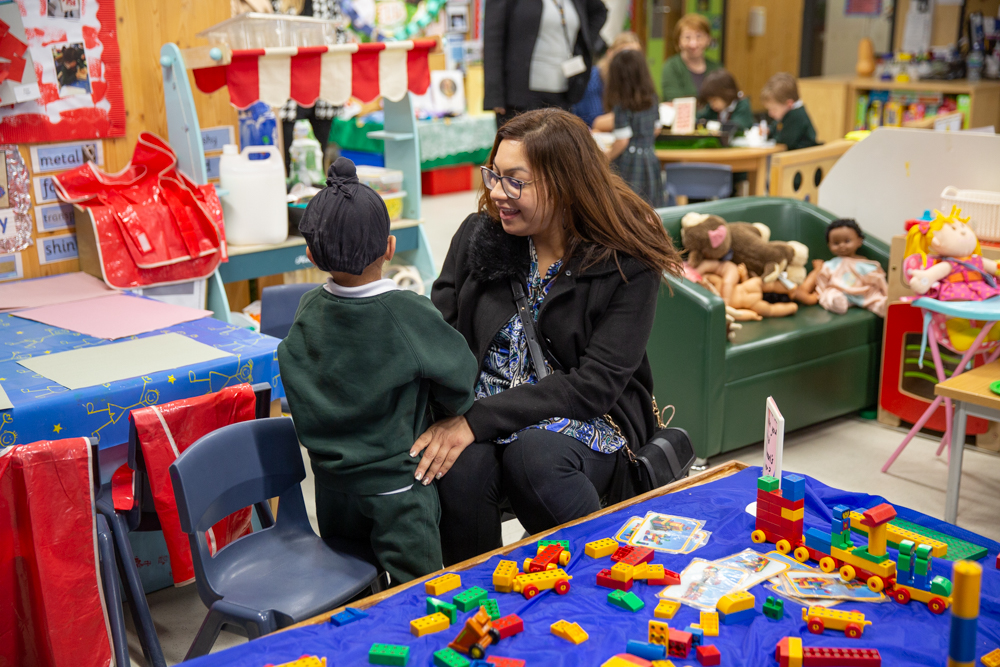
962, 647
737, 616
793, 487
840, 511
818, 540
697, 635
920, 581
646, 651
349, 615
904, 577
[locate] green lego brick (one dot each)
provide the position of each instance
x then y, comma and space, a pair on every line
628, 601
435, 605
957, 549
921, 567
862, 552
841, 541
544, 543
768, 484
774, 608
388, 654
941, 586
907, 547
903, 563
470, 598
923, 552
492, 608
449, 657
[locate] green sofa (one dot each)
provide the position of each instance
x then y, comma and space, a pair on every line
816, 365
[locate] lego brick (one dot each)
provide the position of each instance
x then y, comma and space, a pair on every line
659, 633
648, 571
697, 635
604, 579
500, 661
991, 659
669, 578
862, 552
470, 598
449, 657
921, 568
821, 656
388, 654
647, 651
734, 602
626, 660
878, 515
349, 615
708, 656
957, 549
792, 515
571, 632
903, 563
679, 644
709, 622
621, 572
492, 608
305, 661
442, 584
632, 555
545, 543
793, 487
788, 652
922, 552
774, 608
666, 609
508, 625
503, 576
661, 663
941, 586
768, 484
737, 616
906, 547
553, 554
627, 601
440, 606
601, 548
426, 625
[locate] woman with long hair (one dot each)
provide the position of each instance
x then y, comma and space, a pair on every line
587, 254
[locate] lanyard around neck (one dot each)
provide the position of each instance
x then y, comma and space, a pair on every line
560, 5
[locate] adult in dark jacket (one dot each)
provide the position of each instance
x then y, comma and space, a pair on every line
526, 43
590, 254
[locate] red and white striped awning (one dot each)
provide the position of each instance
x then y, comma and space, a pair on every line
330, 73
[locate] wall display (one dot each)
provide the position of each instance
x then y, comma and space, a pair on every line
15, 223
11, 267
53, 217
73, 50
214, 138
18, 82
60, 157
448, 92
425, 14
57, 249
45, 190
458, 19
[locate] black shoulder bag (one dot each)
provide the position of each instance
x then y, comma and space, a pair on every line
666, 457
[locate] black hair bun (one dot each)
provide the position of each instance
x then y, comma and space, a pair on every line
341, 171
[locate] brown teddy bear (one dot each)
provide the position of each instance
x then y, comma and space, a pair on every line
709, 237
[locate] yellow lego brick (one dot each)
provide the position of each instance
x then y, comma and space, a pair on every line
794, 652
666, 609
734, 602
310, 661
503, 576
648, 571
443, 584
600, 548
895, 534
615, 661
710, 623
661, 663
885, 569
571, 632
659, 633
622, 572
426, 625
991, 659
792, 515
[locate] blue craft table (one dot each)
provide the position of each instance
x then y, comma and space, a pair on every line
904, 634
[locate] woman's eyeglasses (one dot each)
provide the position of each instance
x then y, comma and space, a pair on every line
511, 186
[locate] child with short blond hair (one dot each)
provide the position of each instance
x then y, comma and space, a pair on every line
790, 124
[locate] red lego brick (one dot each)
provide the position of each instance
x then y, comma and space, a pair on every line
504, 662
797, 505
509, 625
604, 579
840, 657
708, 655
878, 515
643, 554
670, 578
678, 643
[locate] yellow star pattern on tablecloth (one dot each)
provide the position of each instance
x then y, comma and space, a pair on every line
170, 379
57, 428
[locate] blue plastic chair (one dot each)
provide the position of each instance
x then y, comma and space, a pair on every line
698, 180
278, 305
272, 578
112, 594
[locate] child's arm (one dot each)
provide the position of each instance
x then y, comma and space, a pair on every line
618, 148
622, 132
605, 122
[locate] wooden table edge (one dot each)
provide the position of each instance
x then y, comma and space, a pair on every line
710, 475
991, 402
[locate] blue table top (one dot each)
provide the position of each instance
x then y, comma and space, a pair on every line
904, 634
44, 410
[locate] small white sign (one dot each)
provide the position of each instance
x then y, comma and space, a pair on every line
45, 190
214, 138
60, 157
10, 266
774, 440
57, 248
8, 224
53, 217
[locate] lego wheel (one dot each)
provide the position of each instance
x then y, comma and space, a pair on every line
937, 605
758, 536
816, 626
847, 573
530, 591
827, 564
476, 652
853, 630
564, 558
562, 587
784, 546
495, 635
901, 595
801, 554
875, 584
527, 565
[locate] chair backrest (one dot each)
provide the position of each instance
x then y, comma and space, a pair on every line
798, 173
231, 468
278, 305
697, 180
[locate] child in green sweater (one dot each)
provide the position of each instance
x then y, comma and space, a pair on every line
791, 125
363, 365
724, 101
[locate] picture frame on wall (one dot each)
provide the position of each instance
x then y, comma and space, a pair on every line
458, 18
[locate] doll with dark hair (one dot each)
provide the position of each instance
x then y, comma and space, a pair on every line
850, 279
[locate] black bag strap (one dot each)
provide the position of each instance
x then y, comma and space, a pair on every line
528, 323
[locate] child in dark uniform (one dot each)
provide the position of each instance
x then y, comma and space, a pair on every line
790, 125
724, 101
361, 365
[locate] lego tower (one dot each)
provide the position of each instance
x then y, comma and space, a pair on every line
780, 510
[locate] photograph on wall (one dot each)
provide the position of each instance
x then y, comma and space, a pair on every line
63, 9
70, 63
458, 19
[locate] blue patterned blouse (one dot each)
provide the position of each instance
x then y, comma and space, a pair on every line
508, 364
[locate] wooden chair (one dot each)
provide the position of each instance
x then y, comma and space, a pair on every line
797, 174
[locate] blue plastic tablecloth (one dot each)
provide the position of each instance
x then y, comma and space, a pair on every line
905, 635
45, 410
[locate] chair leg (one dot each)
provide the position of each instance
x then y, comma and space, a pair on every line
207, 634
112, 593
913, 431
254, 622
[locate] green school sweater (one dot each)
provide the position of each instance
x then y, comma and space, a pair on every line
741, 117
675, 79
795, 130
360, 374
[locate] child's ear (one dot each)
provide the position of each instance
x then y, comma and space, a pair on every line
309, 255
390, 249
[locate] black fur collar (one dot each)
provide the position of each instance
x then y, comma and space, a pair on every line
496, 255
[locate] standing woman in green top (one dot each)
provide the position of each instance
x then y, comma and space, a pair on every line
724, 101
684, 72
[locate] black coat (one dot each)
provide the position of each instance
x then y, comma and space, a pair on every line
510, 28
593, 324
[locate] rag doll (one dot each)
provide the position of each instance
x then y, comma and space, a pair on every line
850, 279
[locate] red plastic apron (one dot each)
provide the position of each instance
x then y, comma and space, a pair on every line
164, 432
52, 610
153, 225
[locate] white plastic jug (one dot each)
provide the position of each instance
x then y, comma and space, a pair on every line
256, 208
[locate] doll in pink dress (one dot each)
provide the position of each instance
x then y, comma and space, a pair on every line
944, 260
850, 279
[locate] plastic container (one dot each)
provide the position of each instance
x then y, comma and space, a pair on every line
380, 179
982, 207
255, 209
444, 180
261, 31
394, 204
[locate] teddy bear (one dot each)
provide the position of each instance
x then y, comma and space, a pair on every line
709, 238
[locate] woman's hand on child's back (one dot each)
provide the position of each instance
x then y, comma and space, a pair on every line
441, 444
